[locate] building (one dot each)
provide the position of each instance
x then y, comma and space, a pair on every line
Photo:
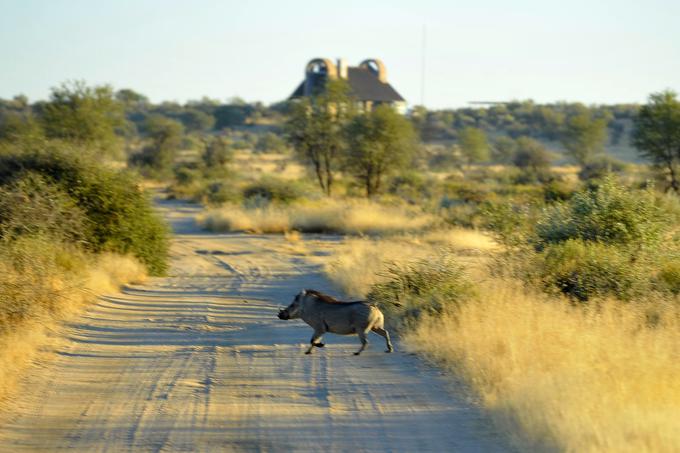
368, 82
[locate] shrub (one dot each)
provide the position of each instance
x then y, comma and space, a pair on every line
608, 213
511, 224
422, 287
30, 206
218, 153
216, 193
119, 215
269, 189
601, 167
36, 273
187, 173
156, 159
585, 270
669, 275
557, 191
531, 154
411, 186
270, 143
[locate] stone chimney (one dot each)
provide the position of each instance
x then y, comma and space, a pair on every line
342, 68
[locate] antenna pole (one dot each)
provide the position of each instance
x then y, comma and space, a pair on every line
422, 67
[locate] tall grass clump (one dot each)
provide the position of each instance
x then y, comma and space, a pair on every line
357, 264
118, 217
414, 289
327, 216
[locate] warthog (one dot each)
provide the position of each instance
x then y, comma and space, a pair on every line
326, 314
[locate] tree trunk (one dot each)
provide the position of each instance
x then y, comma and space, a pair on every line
369, 183
319, 174
329, 175
674, 179
377, 181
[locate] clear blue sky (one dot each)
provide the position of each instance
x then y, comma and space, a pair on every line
589, 51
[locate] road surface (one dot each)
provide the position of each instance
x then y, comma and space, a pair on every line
199, 362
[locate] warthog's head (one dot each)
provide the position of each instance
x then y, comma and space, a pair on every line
294, 310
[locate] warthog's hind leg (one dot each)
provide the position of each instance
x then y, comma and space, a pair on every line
315, 342
386, 335
364, 341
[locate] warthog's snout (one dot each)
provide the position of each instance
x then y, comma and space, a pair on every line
283, 314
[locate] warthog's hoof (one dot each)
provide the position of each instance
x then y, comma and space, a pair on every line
308, 352
319, 345
389, 350
357, 353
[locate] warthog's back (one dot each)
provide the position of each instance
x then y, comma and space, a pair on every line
345, 318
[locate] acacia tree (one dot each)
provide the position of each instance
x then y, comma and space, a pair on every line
584, 135
532, 155
316, 127
165, 136
83, 114
474, 145
657, 133
379, 141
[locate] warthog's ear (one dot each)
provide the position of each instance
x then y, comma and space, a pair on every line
303, 292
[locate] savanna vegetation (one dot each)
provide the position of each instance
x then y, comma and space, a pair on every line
538, 242
70, 226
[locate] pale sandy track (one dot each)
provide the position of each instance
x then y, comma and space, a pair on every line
198, 362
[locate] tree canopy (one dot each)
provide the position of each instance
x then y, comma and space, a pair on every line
379, 141
83, 114
584, 136
657, 133
316, 130
474, 145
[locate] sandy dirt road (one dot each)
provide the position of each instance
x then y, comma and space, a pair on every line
198, 362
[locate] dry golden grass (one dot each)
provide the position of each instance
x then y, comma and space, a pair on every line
282, 166
570, 379
556, 376
462, 241
332, 216
49, 297
111, 271
358, 263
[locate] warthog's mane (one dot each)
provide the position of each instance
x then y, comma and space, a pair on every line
329, 299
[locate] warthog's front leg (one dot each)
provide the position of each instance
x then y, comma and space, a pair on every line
364, 341
315, 341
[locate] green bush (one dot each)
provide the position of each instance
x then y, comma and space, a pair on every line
187, 173
601, 167
220, 192
557, 191
217, 154
268, 190
608, 213
604, 241
422, 287
585, 270
412, 186
119, 215
669, 275
30, 206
